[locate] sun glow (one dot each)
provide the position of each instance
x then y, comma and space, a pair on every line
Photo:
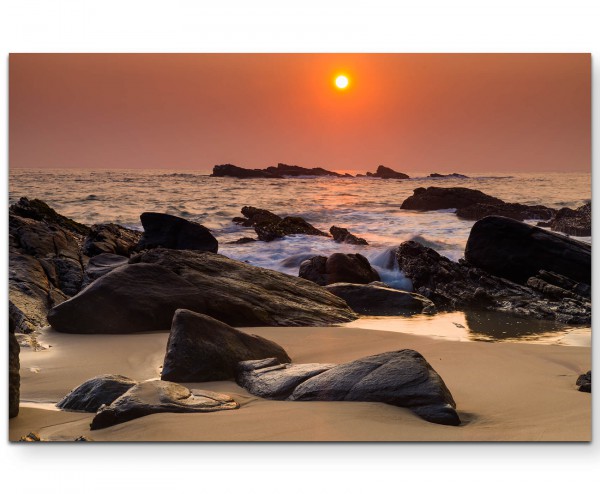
341, 82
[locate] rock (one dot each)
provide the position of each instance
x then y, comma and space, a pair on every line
144, 295
374, 300
433, 198
517, 251
243, 240
450, 175
459, 286
342, 235
280, 171
159, 397
554, 285
576, 222
171, 232
509, 210
255, 216
32, 437
385, 172
400, 378
338, 268
108, 238
40, 211
272, 379
201, 348
295, 260
290, 225
100, 265
584, 381
229, 170
95, 392
14, 379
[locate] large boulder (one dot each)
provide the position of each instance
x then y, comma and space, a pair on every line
343, 236
516, 251
144, 295
14, 378
577, 222
376, 300
100, 265
272, 379
172, 232
160, 397
509, 210
386, 173
459, 285
109, 238
433, 198
201, 348
338, 268
93, 393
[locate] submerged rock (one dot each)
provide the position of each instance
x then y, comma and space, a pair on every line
93, 393
144, 295
201, 348
434, 198
577, 222
509, 210
516, 251
375, 300
385, 172
342, 235
338, 268
159, 397
584, 381
172, 232
109, 238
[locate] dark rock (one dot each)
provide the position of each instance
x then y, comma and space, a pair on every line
517, 251
269, 378
159, 397
14, 379
577, 222
229, 170
360, 175
400, 378
433, 198
40, 211
290, 225
110, 239
374, 300
201, 348
584, 381
100, 265
283, 170
171, 232
144, 295
342, 235
459, 286
338, 268
546, 281
509, 210
450, 175
243, 240
32, 437
255, 216
95, 392
295, 260
385, 172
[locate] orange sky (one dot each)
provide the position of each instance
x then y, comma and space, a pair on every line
417, 112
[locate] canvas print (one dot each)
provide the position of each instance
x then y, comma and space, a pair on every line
299, 247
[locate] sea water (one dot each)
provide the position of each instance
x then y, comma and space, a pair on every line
368, 207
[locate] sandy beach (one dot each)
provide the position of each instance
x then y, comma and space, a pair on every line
503, 391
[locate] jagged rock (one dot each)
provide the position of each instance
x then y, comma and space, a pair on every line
433, 198
95, 392
577, 222
230, 170
100, 265
509, 210
40, 211
375, 300
400, 378
342, 235
338, 268
254, 216
517, 251
290, 225
110, 239
14, 379
458, 286
280, 171
450, 175
201, 348
584, 381
144, 295
270, 378
172, 232
548, 283
159, 397
385, 172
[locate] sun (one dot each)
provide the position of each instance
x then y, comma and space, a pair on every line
341, 81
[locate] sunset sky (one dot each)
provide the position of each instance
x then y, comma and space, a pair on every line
417, 112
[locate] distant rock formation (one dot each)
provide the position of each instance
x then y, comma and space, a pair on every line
385, 172
434, 198
280, 171
450, 175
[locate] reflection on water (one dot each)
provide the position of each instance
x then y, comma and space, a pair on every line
481, 326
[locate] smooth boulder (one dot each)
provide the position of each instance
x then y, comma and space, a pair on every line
201, 348
144, 295
338, 268
93, 393
100, 265
172, 232
434, 198
516, 251
515, 211
160, 397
